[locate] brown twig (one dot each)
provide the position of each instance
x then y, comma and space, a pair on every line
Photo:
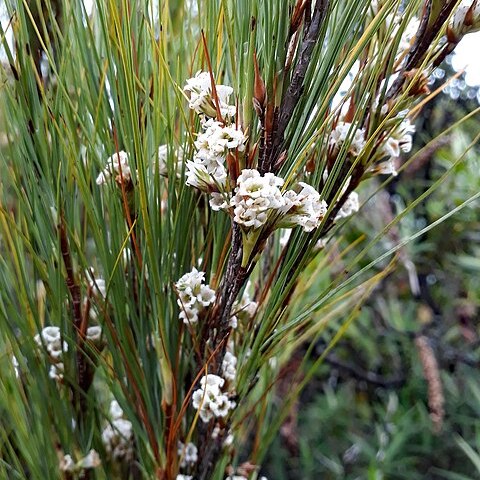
294, 90
425, 36
83, 382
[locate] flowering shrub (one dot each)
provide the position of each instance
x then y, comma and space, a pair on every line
208, 202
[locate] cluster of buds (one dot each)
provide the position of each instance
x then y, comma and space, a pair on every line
117, 436
193, 295
210, 400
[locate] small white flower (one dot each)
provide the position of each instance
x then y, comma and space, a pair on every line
218, 139
209, 399
115, 410
391, 147
184, 477
387, 167
207, 169
56, 372
229, 366
117, 437
307, 209
91, 460
220, 406
206, 180
67, 464
117, 167
344, 132
193, 295
94, 334
188, 315
218, 202
350, 206
199, 91
255, 197
50, 337
188, 454
190, 280
404, 134
213, 381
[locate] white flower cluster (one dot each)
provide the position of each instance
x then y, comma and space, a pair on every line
229, 366
466, 19
117, 436
255, 197
207, 170
188, 454
347, 132
184, 477
209, 399
199, 92
306, 208
117, 167
258, 198
50, 337
193, 295
91, 460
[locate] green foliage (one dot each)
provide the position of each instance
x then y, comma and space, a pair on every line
368, 408
78, 252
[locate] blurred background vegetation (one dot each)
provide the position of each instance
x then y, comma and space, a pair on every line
369, 412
